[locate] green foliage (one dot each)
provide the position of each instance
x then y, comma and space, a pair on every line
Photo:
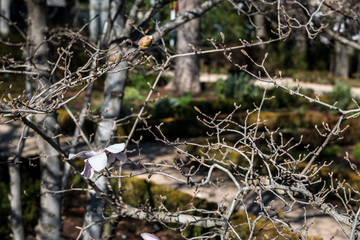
333, 151
132, 94
342, 94
30, 184
138, 81
174, 107
285, 55
237, 86
282, 100
214, 21
311, 76
140, 192
141, 81
183, 108
219, 88
5, 210
356, 152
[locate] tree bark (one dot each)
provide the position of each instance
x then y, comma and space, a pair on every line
114, 87
100, 8
341, 60
49, 224
5, 11
113, 92
260, 28
187, 69
16, 223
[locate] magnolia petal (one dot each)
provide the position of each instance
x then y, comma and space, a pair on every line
98, 162
116, 148
111, 158
88, 172
82, 154
121, 156
149, 236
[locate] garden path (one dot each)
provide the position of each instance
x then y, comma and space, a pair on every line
290, 82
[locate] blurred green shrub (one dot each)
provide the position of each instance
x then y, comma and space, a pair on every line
131, 98
282, 56
311, 76
30, 200
236, 86
184, 107
132, 93
342, 94
333, 151
140, 192
356, 152
140, 81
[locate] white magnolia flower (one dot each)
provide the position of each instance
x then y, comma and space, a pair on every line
149, 236
97, 161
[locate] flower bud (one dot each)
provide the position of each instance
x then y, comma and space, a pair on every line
145, 42
114, 58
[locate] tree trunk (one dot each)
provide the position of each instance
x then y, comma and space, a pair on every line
113, 93
100, 8
5, 11
260, 28
49, 225
301, 40
114, 87
341, 60
16, 223
187, 69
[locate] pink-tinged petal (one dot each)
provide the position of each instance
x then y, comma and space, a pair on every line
111, 158
98, 162
116, 148
83, 154
88, 172
121, 156
149, 236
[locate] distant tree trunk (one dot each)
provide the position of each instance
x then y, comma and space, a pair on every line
341, 60
16, 223
301, 40
49, 225
5, 11
260, 28
100, 8
187, 69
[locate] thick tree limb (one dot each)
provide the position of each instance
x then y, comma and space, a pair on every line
341, 39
